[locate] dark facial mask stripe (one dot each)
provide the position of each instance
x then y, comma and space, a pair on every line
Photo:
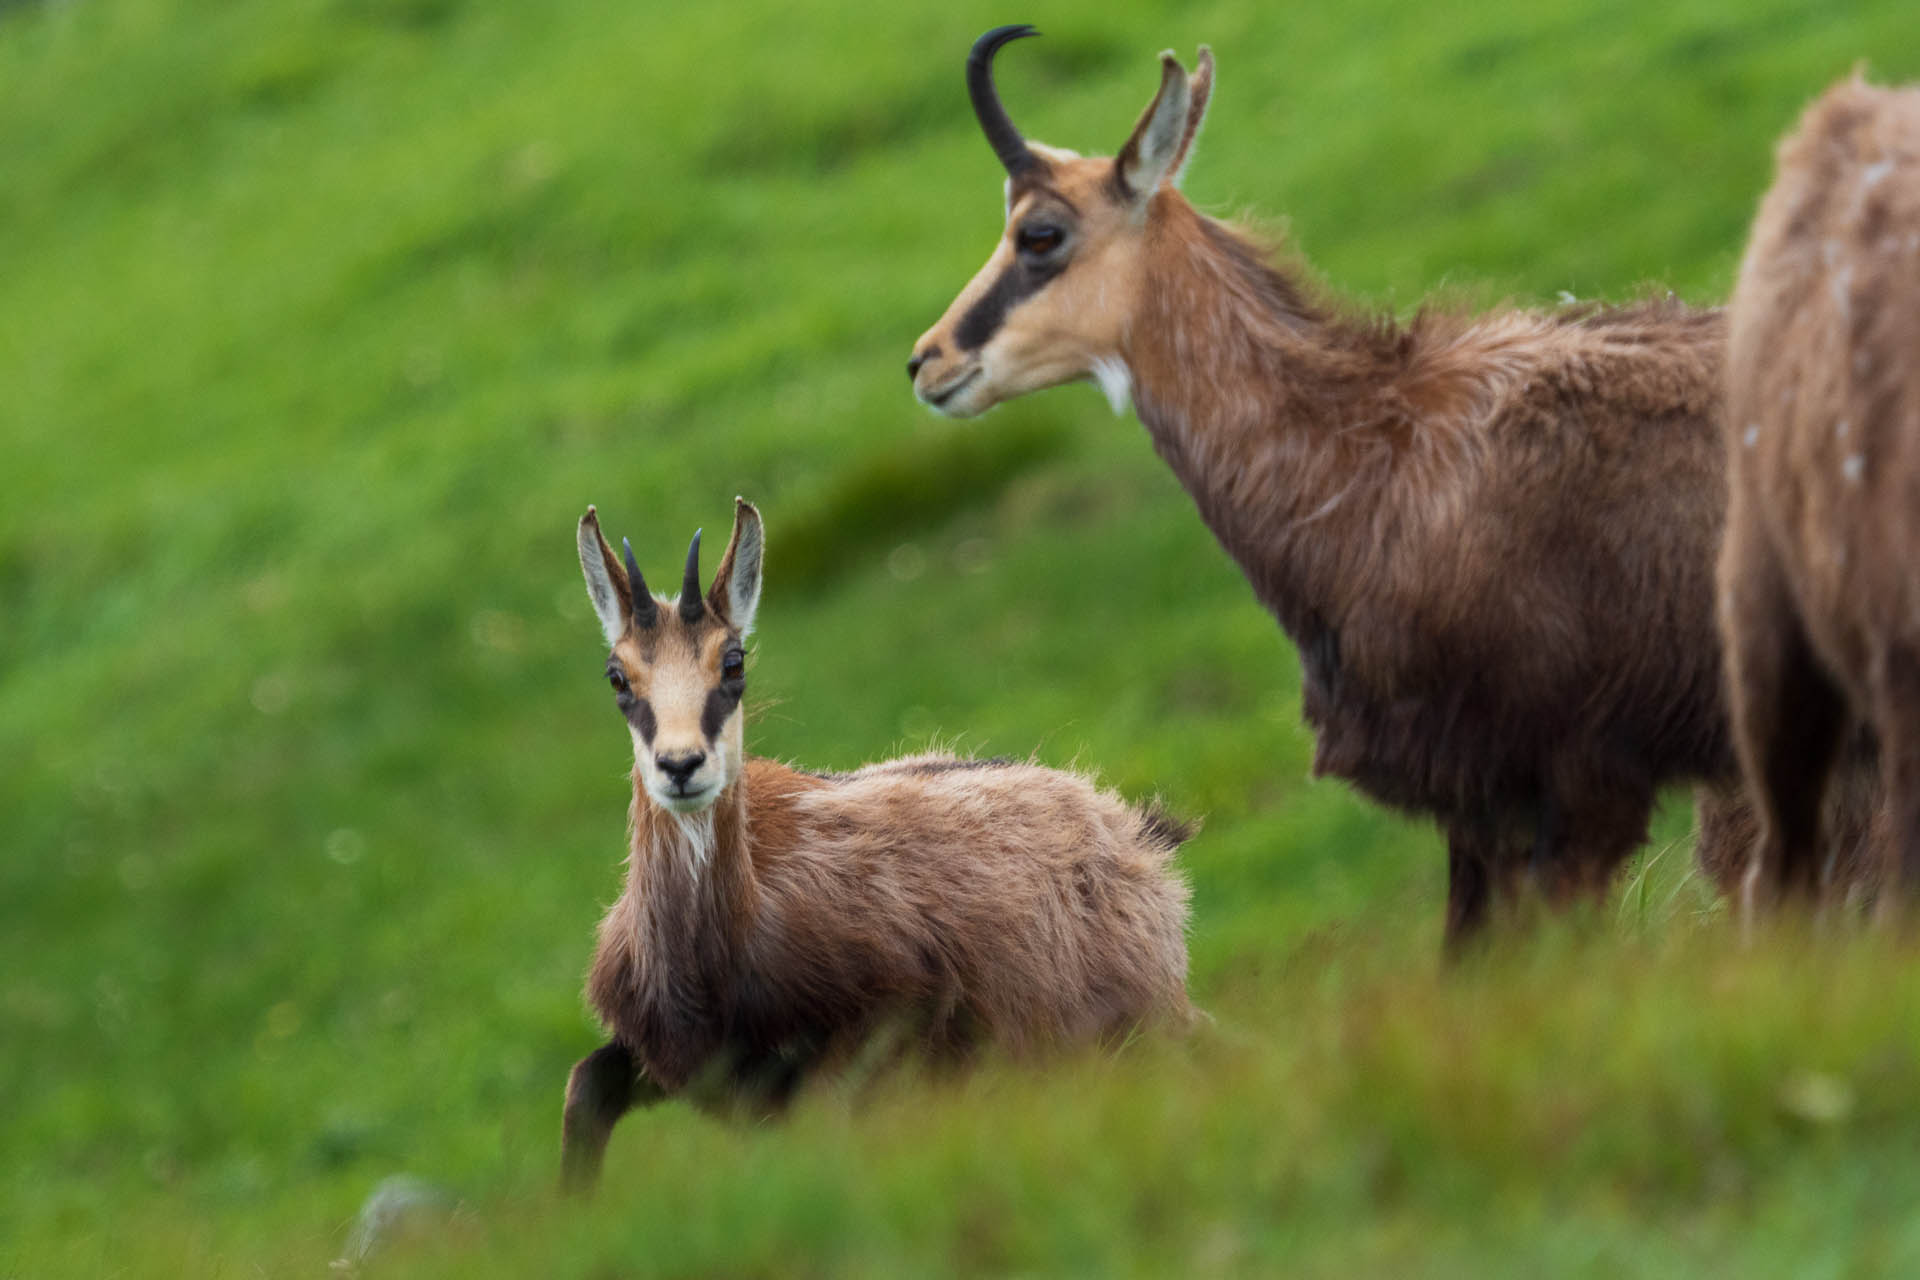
1020, 281
641, 716
720, 704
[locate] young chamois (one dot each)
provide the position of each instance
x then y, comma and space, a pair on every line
1820, 571
774, 919
1492, 539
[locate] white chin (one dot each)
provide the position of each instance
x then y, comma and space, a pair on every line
966, 399
964, 405
686, 804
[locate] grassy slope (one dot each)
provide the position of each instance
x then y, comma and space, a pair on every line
323, 320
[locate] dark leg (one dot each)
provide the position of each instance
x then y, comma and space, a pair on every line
1793, 755
1549, 839
1854, 844
1787, 722
1599, 825
1472, 847
1725, 831
1898, 723
603, 1087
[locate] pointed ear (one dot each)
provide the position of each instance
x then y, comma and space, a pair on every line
736, 588
1199, 93
606, 581
1149, 156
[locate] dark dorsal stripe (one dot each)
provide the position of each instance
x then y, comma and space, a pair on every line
931, 768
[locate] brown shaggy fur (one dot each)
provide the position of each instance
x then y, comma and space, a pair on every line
1491, 541
1853, 833
1820, 597
1491, 538
962, 902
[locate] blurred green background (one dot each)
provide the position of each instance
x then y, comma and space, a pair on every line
321, 321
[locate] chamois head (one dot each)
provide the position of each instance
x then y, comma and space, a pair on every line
677, 667
1054, 301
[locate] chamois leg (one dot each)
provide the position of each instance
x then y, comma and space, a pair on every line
1854, 823
1790, 748
1584, 836
1725, 830
1787, 722
1473, 850
603, 1086
1544, 867
1898, 725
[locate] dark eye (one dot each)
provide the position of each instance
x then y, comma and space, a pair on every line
618, 679
1039, 239
734, 665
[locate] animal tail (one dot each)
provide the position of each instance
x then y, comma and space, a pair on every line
1163, 829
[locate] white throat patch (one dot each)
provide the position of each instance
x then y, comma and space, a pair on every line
1116, 382
691, 840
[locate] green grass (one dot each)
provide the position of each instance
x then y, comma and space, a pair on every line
320, 324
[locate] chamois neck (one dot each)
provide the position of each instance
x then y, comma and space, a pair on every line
1228, 343
1283, 419
693, 871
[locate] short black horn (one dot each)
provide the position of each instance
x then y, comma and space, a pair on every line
644, 611
691, 607
1006, 140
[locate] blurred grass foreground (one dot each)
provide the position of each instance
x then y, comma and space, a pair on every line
320, 324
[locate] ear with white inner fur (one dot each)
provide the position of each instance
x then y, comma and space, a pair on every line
1199, 93
606, 580
736, 588
1150, 154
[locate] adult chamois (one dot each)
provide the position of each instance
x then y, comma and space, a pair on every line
773, 919
1492, 539
1820, 572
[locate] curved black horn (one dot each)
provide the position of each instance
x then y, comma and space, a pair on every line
1006, 140
691, 607
644, 611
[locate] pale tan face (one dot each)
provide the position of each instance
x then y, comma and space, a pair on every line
679, 687
678, 667
1052, 305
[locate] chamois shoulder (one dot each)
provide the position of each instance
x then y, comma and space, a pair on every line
1651, 359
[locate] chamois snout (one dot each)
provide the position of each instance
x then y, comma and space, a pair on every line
680, 769
943, 381
680, 774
